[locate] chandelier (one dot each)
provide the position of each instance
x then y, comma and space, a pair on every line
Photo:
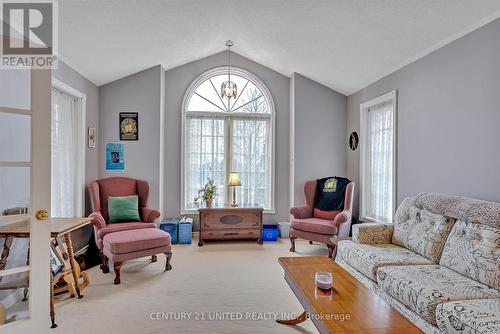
228, 88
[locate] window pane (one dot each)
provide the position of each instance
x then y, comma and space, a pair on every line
17, 285
250, 159
15, 89
15, 188
15, 137
198, 103
251, 100
206, 158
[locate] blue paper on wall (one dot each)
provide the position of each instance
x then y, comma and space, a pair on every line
115, 156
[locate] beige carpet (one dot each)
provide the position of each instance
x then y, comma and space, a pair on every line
243, 279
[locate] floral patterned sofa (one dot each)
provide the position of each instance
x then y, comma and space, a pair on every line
438, 264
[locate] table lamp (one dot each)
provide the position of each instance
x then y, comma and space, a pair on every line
234, 181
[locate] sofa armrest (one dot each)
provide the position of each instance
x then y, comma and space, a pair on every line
372, 233
149, 215
97, 220
301, 212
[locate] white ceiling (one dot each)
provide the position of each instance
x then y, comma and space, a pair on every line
343, 44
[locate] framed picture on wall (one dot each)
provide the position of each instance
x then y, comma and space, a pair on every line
115, 156
129, 126
91, 137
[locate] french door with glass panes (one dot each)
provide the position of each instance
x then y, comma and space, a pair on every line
25, 200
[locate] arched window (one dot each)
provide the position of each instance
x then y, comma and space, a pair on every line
223, 135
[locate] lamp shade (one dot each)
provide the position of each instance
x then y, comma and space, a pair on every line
234, 179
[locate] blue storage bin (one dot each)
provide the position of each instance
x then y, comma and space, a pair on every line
170, 226
185, 231
269, 232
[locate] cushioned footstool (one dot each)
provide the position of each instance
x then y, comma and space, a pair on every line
132, 244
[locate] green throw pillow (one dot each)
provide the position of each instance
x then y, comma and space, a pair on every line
124, 208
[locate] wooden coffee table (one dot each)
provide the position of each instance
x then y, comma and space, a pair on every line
349, 307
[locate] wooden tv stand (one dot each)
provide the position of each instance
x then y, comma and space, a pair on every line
230, 223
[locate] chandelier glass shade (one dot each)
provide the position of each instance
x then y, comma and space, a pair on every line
229, 89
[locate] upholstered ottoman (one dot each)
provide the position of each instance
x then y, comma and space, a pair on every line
132, 244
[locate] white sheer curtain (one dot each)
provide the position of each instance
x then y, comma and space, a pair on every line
378, 164
206, 157
66, 192
250, 157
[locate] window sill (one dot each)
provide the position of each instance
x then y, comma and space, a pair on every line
195, 211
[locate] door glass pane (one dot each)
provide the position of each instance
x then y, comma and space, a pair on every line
15, 188
15, 137
15, 89
15, 294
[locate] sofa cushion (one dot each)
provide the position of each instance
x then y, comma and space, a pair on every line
314, 225
474, 251
135, 240
420, 230
422, 288
368, 258
469, 316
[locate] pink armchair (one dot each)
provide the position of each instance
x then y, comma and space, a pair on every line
100, 190
315, 225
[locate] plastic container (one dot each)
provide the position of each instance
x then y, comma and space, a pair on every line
270, 232
284, 229
185, 231
170, 225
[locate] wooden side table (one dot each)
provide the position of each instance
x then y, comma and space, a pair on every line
59, 227
230, 223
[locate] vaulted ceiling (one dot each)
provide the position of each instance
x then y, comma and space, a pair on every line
343, 44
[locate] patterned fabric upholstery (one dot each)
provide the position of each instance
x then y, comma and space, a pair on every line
474, 251
422, 288
461, 208
469, 317
420, 230
368, 258
372, 233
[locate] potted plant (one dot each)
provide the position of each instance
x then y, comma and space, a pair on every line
206, 194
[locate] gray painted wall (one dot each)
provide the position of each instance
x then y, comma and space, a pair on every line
320, 133
69, 76
449, 119
177, 81
139, 92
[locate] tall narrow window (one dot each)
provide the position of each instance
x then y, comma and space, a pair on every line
378, 158
66, 147
222, 135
